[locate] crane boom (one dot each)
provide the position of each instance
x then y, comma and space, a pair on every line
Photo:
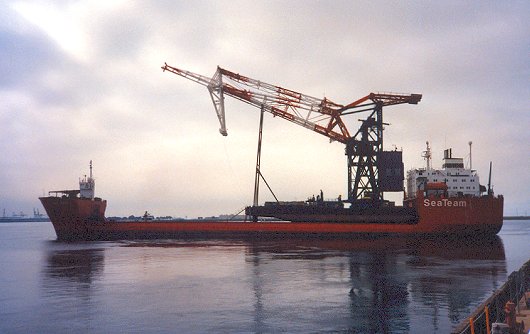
215, 87
319, 115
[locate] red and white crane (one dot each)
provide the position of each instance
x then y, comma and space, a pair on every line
320, 115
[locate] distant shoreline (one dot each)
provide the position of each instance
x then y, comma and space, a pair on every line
22, 220
516, 218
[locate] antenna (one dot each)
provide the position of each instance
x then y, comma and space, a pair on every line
87, 185
470, 161
490, 191
427, 155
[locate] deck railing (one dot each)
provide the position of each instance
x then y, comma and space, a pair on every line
492, 310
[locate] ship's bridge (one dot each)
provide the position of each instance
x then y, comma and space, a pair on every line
453, 163
87, 185
460, 181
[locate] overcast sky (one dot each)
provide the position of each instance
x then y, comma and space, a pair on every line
81, 81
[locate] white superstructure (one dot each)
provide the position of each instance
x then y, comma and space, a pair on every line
87, 186
459, 180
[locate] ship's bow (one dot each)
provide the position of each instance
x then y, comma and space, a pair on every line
74, 218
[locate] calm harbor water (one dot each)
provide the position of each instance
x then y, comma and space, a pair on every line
386, 285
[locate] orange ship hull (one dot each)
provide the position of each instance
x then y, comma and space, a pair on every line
83, 219
74, 218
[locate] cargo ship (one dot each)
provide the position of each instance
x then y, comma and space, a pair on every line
439, 202
448, 201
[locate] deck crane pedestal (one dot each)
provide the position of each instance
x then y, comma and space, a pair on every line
371, 170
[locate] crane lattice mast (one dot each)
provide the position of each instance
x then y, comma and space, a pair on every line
319, 115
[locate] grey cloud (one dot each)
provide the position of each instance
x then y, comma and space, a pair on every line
470, 60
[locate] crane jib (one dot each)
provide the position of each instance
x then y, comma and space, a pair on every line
319, 115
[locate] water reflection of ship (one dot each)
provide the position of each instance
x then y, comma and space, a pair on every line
72, 268
457, 278
381, 279
450, 248
383, 288
69, 275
